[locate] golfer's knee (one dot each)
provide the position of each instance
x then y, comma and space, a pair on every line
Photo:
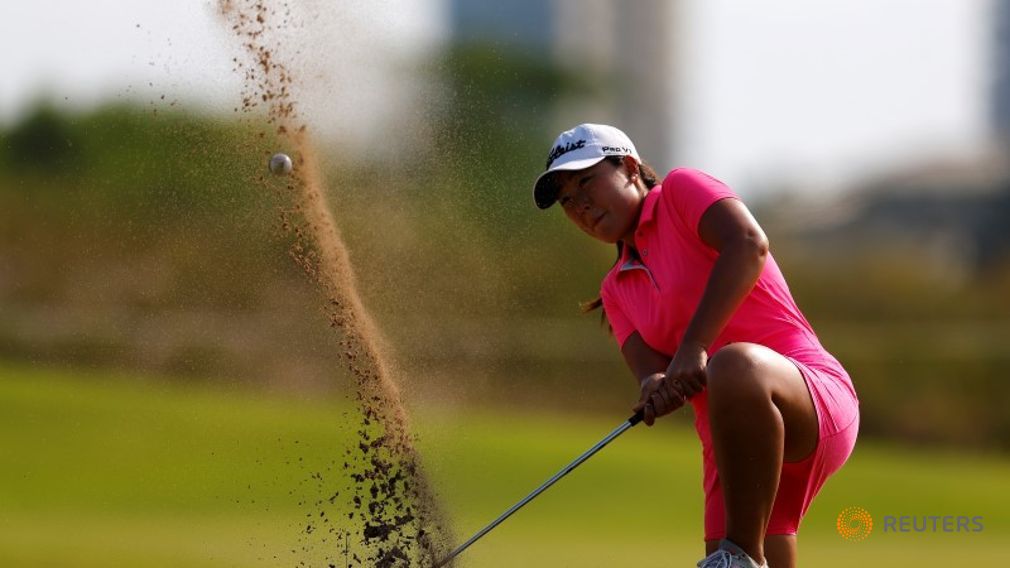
734, 373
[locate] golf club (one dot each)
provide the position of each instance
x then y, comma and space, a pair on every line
564, 471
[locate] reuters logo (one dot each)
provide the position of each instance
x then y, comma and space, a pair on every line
854, 523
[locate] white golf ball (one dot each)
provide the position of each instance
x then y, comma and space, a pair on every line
280, 164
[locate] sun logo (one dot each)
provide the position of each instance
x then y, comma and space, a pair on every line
854, 523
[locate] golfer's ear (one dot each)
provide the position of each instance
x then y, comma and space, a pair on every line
630, 166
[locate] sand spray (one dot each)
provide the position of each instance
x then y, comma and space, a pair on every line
395, 519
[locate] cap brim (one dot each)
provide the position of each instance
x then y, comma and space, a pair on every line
544, 193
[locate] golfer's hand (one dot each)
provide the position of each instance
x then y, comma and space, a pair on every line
660, 396
687, 368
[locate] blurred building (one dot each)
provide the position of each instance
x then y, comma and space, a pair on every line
954, 215
955, 211
518, 24
629, 47
1000, 107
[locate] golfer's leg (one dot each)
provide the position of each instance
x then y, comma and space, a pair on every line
711, 546
780, 550
760, 414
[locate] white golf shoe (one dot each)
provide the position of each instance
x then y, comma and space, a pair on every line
729, 555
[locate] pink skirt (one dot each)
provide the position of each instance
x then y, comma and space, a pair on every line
838, 422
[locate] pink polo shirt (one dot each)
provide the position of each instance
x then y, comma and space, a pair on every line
657, 294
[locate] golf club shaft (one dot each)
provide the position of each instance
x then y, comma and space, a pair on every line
564, 471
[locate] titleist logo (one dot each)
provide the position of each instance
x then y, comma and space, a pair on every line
560, 150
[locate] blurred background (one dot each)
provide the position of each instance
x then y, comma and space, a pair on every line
169, 384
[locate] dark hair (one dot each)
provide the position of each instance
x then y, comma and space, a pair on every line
650, 179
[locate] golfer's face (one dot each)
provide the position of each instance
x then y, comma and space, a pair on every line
601, 200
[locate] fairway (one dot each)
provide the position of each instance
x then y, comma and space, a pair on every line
100, 470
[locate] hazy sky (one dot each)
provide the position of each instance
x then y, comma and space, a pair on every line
79, 53
819, 91
833, 89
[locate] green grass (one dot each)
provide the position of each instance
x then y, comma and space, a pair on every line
100, 470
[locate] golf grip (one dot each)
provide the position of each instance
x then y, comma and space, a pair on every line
630, 422
638, 417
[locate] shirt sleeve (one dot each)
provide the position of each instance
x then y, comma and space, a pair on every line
619, 322
691, 192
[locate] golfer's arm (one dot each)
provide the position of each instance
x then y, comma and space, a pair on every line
642, 359
728, 227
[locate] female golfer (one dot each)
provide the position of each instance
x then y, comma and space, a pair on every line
702, 314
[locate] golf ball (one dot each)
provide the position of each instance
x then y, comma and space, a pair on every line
280, 164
